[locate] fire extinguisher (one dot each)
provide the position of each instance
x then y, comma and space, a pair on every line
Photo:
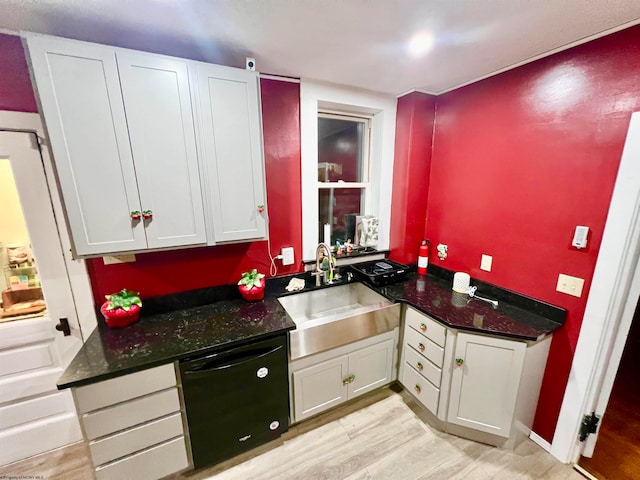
423, 257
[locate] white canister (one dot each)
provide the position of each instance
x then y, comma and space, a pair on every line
17, 253
461, 282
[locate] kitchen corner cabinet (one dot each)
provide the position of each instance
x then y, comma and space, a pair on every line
325, 380
477, 386
484, 386
232, 159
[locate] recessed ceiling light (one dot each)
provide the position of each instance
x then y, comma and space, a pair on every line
420, 43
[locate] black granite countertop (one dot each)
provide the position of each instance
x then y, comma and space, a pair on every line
516, 316
203, 321
165, 337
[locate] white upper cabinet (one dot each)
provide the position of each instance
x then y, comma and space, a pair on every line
157, 101
80, 97
232, 161
126, 141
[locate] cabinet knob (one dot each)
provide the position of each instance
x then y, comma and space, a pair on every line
459, 362
260, 208
135, 215
421, 347
345, 380
417, 388
419, 366
352, 377
423, 327
147, 214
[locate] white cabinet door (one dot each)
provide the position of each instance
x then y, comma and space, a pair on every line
81, 102
320, 387
484, 388
157, 101
370, 367
233, 162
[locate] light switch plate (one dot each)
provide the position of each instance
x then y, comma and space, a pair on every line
570, 285
125, 258
485, 263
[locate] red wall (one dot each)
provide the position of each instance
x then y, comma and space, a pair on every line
414, 132
162, 273
518, 161
16, 93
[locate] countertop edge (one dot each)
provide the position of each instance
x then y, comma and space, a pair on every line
164, 361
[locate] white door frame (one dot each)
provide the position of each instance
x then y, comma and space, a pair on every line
76, 269
610, 306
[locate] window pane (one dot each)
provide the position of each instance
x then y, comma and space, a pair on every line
339, 207
341, 150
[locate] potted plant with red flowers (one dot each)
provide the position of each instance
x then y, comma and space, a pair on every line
121, 308
251, 285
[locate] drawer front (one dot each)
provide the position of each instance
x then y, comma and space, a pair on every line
126, 387
424, 346
129, 441
428, 327
424, 392
128, 414
151, 464
427, 369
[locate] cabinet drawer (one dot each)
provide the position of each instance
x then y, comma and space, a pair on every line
424, 346
116, 390
428, 327
424, 392
128, 414
135, 439
151, 464
427, 369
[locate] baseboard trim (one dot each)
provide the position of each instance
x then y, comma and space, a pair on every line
583, 472
540, 441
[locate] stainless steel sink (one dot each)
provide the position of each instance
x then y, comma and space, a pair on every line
331, 317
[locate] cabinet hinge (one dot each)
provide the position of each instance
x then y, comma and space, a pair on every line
589, 425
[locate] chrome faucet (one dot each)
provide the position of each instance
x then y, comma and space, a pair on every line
324, 250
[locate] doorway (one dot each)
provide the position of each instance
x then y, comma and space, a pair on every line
22, 296
617, 451
34, 416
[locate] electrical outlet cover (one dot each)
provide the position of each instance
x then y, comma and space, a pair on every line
570, 285
287, 256
485, 263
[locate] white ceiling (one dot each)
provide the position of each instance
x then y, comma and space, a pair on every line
362, 43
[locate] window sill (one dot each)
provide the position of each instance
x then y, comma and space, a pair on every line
356, 256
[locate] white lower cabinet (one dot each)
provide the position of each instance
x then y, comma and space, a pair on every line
325, 380
478, 386
485, 382
423, 356
134, 425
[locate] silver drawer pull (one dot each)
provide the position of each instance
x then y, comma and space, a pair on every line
245, 438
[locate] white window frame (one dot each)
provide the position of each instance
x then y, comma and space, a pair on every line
364, 184
318, 97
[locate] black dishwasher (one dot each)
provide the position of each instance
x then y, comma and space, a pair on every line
236, 399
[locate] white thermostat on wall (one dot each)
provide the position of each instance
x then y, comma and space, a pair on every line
580, 236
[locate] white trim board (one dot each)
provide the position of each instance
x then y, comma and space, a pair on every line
76, 269
541, 442
607, 312
314, 95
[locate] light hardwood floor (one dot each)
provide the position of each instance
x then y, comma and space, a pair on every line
377, 437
